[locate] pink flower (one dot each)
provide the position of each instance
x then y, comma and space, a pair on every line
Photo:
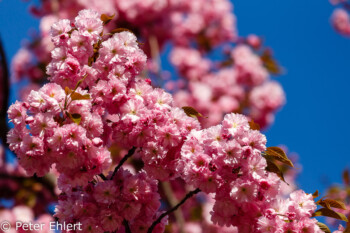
32, 146
132, 110
59, 31
341, 21
74, 136
105, 192
88, 21
235, 123
110, 220
43, 124
243, 191
128, 40
91, 225
17, 113
301, 203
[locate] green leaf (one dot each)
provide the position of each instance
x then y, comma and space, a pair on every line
78, 96
75, 117
323, 227
330, 213
106, 18
278, 154
328, 203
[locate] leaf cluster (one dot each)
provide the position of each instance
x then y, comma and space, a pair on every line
328, 211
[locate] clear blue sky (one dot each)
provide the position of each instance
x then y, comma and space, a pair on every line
314, 123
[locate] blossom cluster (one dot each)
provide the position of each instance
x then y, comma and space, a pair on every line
95, 98
243, 87
178, 21
291, 215
44, 131
116, 107
206, 23
102, 207
226, 160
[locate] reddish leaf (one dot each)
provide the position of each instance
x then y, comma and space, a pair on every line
67, 90
191, 112
323, 227
346, 177
270, 63
330, 213
278, 154
328, 203
78, 96
271, 167
117, 30
106, 18
253, 125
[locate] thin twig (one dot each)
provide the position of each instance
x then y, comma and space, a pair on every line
159, 219
127, 227
128, 155
5, 96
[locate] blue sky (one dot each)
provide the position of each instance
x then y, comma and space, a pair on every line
314, 122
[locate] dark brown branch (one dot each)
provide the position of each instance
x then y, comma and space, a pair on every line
103, 177
128, 155
5, 83
159, 219
127, 227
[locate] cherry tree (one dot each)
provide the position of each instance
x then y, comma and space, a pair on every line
96, 97
93, 96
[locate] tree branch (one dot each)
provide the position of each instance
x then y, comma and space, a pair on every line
103, 177
159, 219
128, 155
5, 96
127, 227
